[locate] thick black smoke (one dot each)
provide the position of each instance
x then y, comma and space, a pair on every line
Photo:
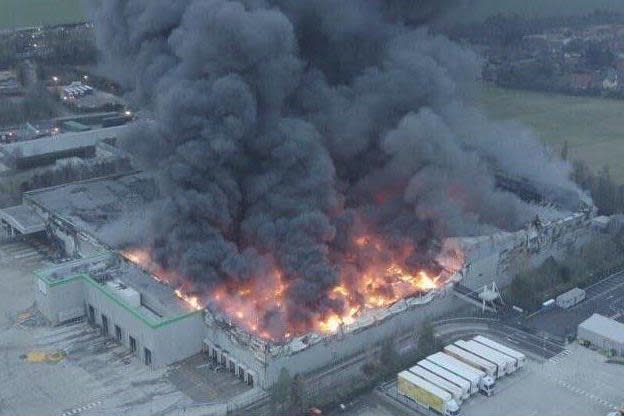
285, 127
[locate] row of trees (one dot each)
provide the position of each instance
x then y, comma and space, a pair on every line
12, 187
71, 172
71, 46
288, 394
607, 194
531, 287
507, 30
37, 104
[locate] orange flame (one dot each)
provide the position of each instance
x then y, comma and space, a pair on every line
191, 300
374, 275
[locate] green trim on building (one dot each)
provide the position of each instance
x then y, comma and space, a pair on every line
44, 274
85, 277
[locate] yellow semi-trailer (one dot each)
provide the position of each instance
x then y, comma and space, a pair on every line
519, 357
426, 394
477, 362
436, 380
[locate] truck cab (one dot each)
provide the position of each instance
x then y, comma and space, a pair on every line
487, 386
452, 409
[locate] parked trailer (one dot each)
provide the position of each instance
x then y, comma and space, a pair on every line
518, 356
426, 394
479, 381
504, 363
462, 383
436, 380
114, 121
473, 360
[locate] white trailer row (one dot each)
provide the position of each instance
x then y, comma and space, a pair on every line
504, 364
518, 356
473, 360
479, 380
462, 369
447, 375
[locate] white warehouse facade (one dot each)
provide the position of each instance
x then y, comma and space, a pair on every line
127, 305
604, 333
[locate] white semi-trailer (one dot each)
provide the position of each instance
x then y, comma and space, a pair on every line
473, 360
505, 364
518, 356
462, 383
426, 394
435, 379
479, 380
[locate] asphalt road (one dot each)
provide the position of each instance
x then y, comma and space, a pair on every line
539, 345
605, 297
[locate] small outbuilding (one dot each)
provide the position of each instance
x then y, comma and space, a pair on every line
604, 333
570, 298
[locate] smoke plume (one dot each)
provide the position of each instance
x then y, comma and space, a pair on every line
286, 128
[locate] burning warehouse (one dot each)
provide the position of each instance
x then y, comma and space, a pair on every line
319, 176
161, 321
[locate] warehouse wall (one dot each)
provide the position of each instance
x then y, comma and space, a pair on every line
495, 260
181, 339
60, 303
599, 341
168, 343
337, 358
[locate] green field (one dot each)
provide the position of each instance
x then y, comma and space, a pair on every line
18, 13
593, 127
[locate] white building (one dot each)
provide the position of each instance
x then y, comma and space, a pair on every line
602, 332
125, 303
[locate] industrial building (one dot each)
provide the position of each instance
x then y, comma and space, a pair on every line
603, 333
125, 303
46, 151
82, 219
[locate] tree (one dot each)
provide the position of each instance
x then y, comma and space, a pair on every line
390, 357
427, 343
281, 392
598, 56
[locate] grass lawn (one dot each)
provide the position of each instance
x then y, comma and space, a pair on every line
17, 13
593, 127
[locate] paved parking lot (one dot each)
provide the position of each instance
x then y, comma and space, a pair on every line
577, 381
71, 369
197, 380
369, 405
